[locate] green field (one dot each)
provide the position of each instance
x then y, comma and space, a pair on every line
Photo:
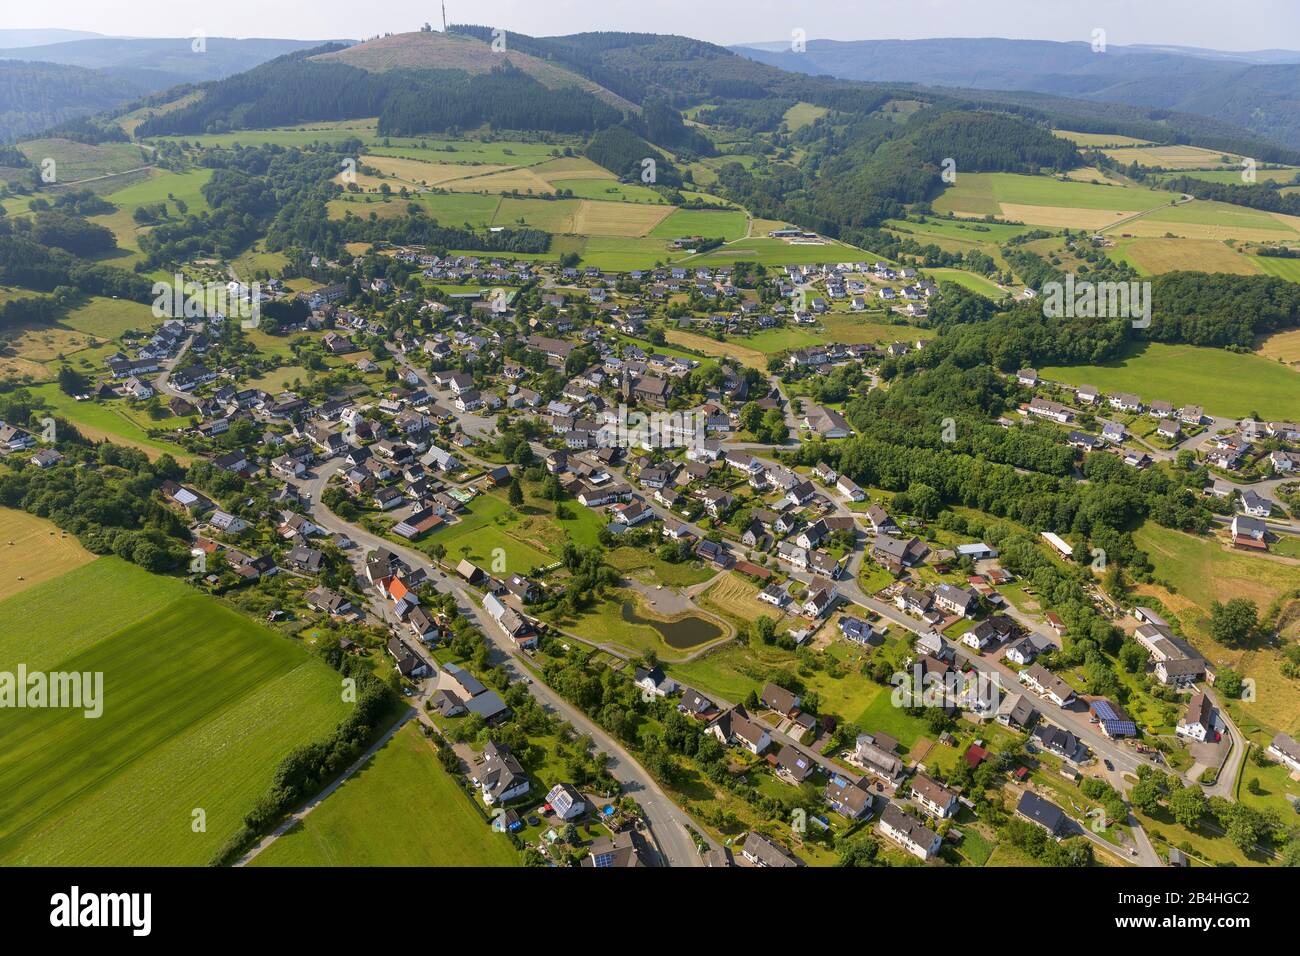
775, 252
1288, 269
490, 523
725, 224
610, 190
75, 161
199, 705
967, 280
401, 809
109, 318
114, 420
1224, 383
983, 193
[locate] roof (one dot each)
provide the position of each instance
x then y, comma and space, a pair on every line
1042, 812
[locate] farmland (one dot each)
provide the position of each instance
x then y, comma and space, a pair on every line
1224, 383
75, 161
1154, 256
33, 550
1044, 201
403, 781
192, 723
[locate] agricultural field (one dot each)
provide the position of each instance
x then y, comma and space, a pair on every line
75, 161
109, 318
775, 252
33, 550
1173, 157
619, 219
1224, 383
1233, 177
725, 224
1200, 219
1288, 269
1281, 347
1045, 201
354, 825
1099, 140
1154, 256
198, 723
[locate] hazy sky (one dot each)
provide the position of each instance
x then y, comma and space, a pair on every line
1256, 24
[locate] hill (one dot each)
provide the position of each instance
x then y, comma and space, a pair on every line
36, 96
1258, 92
429, 50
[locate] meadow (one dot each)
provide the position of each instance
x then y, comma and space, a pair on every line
1200, 219
1154, 256
199, 705
1224, 383
1044, 200
400, 809
75, 161
114, 420
727, 224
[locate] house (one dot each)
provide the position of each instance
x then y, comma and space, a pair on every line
933, 797
1043, 813
1027, 377
1180, 671
1046, 684
960, 601
826, 422
1016, 712
856, 630
760, 851
848, 797
627, 848
892, 552
1197, 722
500, 778
695, 704
735, 727
880, 521
566, 801
1254, 505
909, 832
409, 664
793, 764
1284, 749
876, 759
1024, 651
653, 681
323, 599
1111, 719
512, 624
819, 602
777, 698
1059, 741
849, 489
1249, 532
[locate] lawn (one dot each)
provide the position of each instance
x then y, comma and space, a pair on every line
1225, 383
403, 781
33, 550
488, 524
199, 705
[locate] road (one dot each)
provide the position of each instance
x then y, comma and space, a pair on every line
668, 822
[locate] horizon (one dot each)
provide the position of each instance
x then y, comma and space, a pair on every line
1273, 26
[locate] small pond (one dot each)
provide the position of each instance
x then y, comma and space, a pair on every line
689, 631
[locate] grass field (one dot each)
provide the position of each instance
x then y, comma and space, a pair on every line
33, 550
801, 114
111, 420
403, 781
1099, 139
548, 215
199, 705
1154, 256
1288, 269
1200, 219
733, 596
75, 161
487, 524
1224, 383
968, 280
1043, 200
1232, 177
161, 186
109, 318
725, 224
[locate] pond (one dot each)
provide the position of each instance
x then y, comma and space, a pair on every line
689, 631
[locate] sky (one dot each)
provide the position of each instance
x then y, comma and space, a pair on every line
1259, 24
